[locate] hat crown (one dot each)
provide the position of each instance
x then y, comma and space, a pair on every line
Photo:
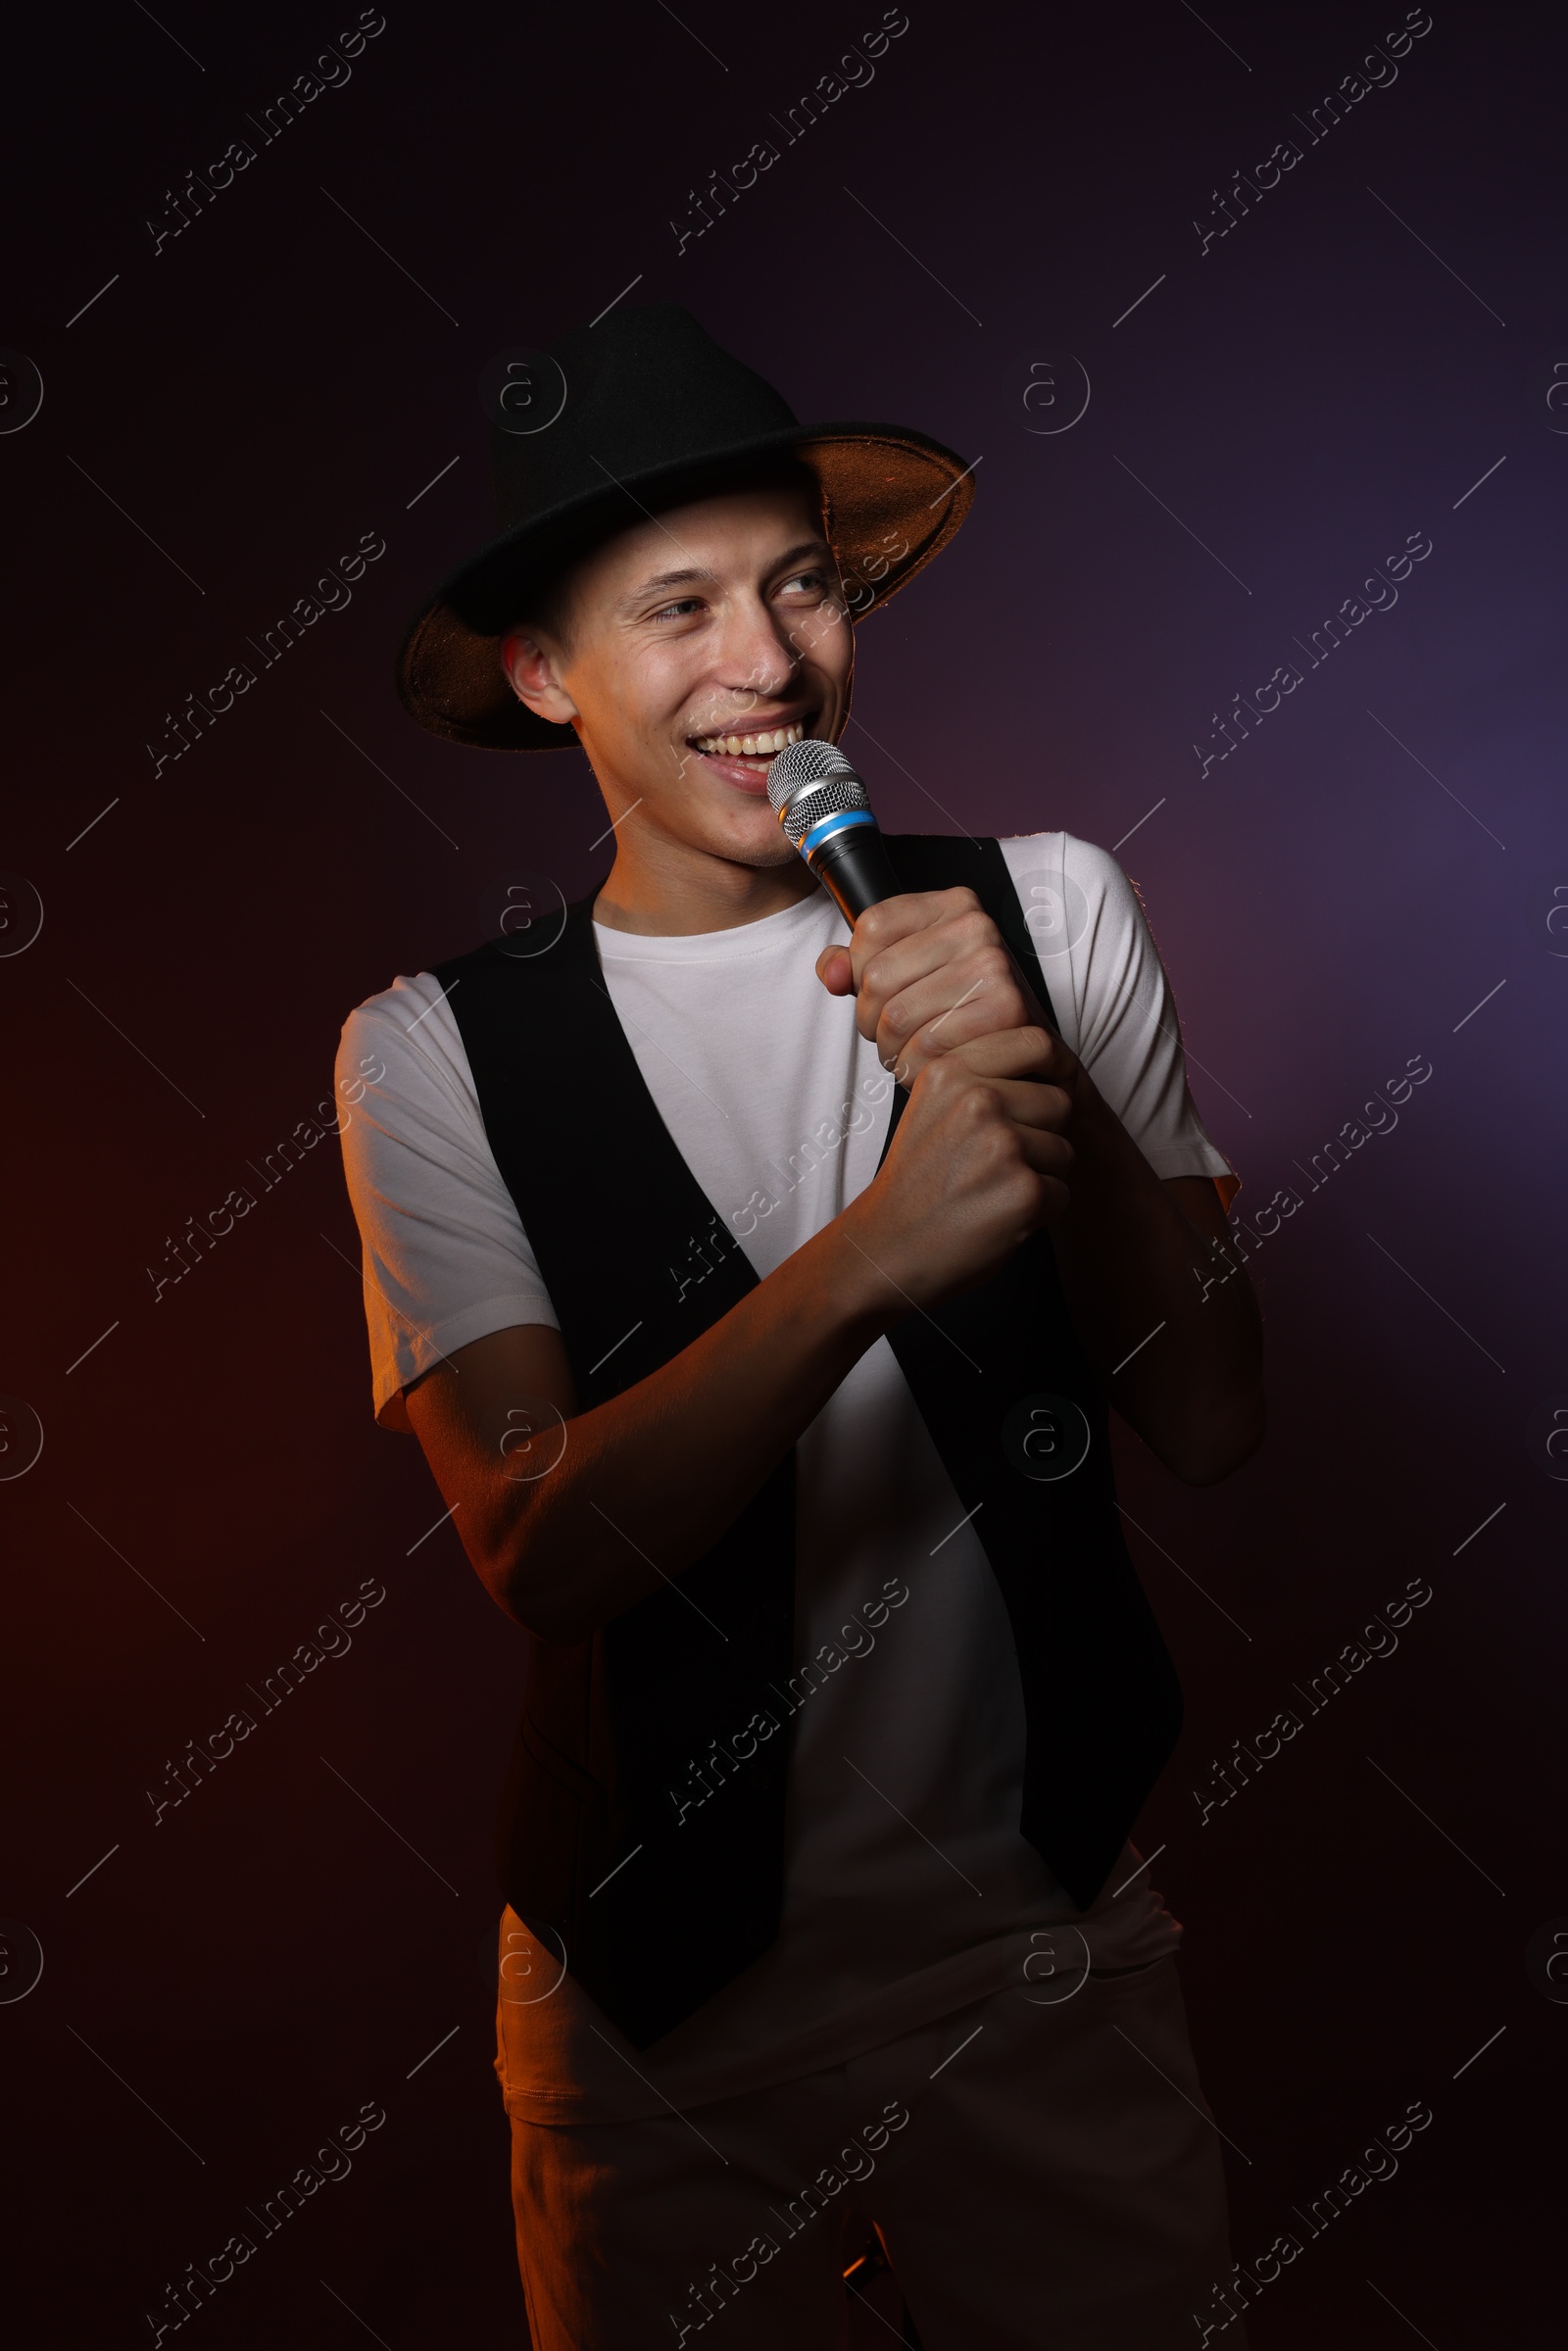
644, 390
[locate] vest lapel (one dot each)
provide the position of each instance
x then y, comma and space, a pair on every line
1102, 1701
627, 1827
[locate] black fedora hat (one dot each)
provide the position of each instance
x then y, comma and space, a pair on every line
614, 420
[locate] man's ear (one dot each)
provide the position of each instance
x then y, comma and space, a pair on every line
533, 667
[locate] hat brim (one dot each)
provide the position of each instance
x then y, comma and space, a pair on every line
894, 499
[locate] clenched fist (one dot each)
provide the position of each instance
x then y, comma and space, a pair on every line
979, 1161
930, 972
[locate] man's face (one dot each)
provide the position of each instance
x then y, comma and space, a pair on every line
701, 643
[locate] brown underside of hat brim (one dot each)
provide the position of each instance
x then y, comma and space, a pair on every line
894, 501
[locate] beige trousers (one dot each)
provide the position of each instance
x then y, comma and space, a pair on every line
1044, 2175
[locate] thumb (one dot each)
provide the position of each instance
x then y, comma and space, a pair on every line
835, 970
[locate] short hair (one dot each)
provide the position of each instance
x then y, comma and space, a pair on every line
550, 603
550, 606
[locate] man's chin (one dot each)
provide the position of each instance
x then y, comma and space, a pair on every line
737, 824
764, 850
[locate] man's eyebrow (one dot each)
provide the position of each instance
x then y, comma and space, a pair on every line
662, 580
816, 546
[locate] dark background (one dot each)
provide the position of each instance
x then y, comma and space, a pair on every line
1339, 896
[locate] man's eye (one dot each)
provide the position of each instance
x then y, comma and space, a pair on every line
809, 579
687, 603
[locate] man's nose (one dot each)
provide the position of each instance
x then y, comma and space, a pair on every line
759, 657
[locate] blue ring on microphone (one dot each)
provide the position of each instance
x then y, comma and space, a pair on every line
831, 826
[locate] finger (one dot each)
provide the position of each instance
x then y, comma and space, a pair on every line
884, 966
1021, 1052
1032, 1107
981, 1012
835, 970
968, 995
924, 975
1048, 1154
1055, 1201
897, 922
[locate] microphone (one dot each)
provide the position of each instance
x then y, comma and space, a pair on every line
825, 810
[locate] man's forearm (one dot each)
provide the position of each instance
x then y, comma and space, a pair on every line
651, 1480
1182, 1365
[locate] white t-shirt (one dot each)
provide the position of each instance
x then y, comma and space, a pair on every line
909, 1890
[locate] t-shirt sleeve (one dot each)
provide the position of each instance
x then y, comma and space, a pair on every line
444, 1255
1113, 1000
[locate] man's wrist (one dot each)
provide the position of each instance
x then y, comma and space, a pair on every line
865, 1296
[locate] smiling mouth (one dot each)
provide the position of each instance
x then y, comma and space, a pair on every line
756, 750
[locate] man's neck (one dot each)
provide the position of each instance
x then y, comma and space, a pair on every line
667, 890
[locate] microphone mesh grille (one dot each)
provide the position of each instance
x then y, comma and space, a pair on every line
805, 763
810, 780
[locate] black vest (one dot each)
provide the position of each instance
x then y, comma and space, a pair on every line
642, 1822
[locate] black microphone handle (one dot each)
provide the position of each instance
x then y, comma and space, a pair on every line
856, 870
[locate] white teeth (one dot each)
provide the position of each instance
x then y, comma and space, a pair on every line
749, 747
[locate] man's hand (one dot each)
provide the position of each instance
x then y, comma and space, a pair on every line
931, 971
978, 1163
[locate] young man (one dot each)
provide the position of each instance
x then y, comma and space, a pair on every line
757, 1289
